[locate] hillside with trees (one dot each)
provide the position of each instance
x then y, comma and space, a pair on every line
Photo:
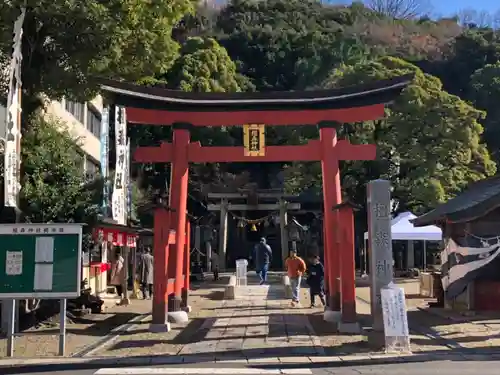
440, 135
437, 138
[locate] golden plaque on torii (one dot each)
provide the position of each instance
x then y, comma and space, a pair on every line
254, 139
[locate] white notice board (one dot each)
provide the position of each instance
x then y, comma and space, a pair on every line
394, 312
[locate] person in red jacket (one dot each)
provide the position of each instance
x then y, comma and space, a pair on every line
295, 267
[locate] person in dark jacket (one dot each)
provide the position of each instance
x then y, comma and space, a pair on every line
145, 271
316, 280
262, 256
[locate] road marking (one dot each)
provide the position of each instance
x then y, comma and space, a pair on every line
198, 371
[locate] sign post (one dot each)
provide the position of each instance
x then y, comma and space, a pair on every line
40, 261
11, 326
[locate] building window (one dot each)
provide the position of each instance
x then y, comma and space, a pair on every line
79, 161
76, 109
93, 121
91, 168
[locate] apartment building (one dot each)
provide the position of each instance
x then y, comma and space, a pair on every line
83, 121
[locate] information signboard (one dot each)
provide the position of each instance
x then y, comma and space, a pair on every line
397, 333
40, 260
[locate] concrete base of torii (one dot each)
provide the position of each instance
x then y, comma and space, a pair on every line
331, 316
178, 316
343, 327
160, 328
353, 328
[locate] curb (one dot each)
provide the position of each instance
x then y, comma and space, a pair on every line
110, 337
97, 362
61, 364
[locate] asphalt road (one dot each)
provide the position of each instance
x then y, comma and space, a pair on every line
459, 367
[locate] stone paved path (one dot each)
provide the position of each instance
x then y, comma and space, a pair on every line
256, 325
260, 325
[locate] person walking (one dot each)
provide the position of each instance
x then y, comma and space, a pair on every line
262, 256
295, 268
118, 273
214, 263
316, 280
146, 266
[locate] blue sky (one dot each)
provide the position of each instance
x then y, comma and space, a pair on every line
451, 7
447, 7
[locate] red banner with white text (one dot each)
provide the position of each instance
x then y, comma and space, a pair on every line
116, 237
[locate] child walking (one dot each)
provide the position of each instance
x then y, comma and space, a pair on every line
316, 280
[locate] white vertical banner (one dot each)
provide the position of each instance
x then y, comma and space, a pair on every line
12, 155
105, 157
128, 185
119, 188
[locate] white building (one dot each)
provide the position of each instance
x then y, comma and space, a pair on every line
83, 121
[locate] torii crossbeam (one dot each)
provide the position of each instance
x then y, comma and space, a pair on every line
312, 151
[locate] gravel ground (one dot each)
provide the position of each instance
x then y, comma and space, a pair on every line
474, 332
44, 341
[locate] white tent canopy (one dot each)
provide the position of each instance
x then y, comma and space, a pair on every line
403, 229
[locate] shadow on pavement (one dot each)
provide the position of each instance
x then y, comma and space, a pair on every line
95, 327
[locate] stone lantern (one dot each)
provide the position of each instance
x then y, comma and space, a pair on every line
294, 232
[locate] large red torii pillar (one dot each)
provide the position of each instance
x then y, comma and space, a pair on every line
167, 282
332, 195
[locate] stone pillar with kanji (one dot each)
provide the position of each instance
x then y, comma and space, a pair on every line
380, 252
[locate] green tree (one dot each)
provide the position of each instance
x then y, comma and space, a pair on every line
470, 51
205, 66
68, 42
485, 94
286, 44
54, 186
429, 144
202, 66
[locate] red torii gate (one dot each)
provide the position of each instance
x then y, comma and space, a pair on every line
327, 109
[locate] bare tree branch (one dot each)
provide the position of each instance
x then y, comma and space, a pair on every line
401, 9
472, 18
